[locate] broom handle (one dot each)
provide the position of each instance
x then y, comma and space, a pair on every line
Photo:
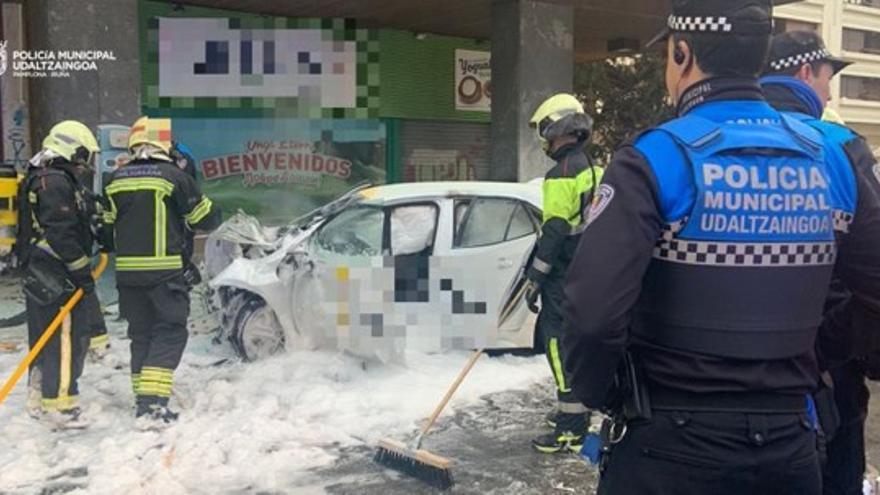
449, 393
48, 333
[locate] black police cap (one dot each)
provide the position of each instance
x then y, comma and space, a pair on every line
720, 17
796, 48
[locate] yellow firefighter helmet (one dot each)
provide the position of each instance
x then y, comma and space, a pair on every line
152, 131
561, 115
72, 141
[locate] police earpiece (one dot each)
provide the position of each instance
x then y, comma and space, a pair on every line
678, 56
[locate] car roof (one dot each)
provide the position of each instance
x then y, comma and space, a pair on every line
528, 191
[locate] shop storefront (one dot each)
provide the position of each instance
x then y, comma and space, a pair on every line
284, 114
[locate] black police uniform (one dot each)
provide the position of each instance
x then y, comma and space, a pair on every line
151, 202
566, 188
705, 266
54, 245
842, 341
718, 302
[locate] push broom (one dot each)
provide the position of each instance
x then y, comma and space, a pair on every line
48, 333
411, 459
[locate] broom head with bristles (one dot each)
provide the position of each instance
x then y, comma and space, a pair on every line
421, 464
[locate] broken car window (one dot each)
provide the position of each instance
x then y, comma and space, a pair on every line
354, 232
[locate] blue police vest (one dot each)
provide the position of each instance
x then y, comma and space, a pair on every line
752, 199
835, 138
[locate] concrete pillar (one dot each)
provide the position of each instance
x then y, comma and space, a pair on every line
110, 95
13, 91
532, 59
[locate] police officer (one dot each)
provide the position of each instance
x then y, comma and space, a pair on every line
693, 300
152, 202
798, 82
563, 129
54, 244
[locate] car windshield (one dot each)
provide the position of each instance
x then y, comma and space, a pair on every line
329, 209
356, 231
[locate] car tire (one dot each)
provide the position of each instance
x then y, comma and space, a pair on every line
256, 333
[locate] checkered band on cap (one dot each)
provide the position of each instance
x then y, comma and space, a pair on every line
799, 59
699, 24
754, 254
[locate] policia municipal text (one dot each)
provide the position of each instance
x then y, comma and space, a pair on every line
699, 342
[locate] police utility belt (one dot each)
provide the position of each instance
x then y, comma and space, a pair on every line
637, 399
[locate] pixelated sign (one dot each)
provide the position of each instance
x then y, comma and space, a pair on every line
266, 66
205, 57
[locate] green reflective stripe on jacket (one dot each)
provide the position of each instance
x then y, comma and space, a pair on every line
109, 216
44, 245
138, 263
200, 211
139, 184
82, 262
161, 189
161, 230
563, 195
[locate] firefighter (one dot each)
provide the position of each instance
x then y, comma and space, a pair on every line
152, 203
184, 159
99, 344
563, 130
54, 246
798, 81
695, 295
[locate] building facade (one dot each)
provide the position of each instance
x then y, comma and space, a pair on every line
851, 28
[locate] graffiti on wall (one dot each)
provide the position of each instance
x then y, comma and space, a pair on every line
16, 139
438, 165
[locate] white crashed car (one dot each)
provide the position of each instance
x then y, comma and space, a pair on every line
420, 266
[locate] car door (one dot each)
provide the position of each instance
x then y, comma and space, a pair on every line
369, 281
491, 239
350, 240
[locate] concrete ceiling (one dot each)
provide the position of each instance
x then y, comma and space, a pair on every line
596, 21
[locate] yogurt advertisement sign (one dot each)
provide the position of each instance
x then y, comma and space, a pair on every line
473, 80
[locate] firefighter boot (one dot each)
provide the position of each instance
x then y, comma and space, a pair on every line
568, 435
153, 412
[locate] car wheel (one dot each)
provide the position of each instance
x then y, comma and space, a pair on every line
256, 333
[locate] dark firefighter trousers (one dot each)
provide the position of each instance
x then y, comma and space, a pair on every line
61, 360
156, 318
571, 412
